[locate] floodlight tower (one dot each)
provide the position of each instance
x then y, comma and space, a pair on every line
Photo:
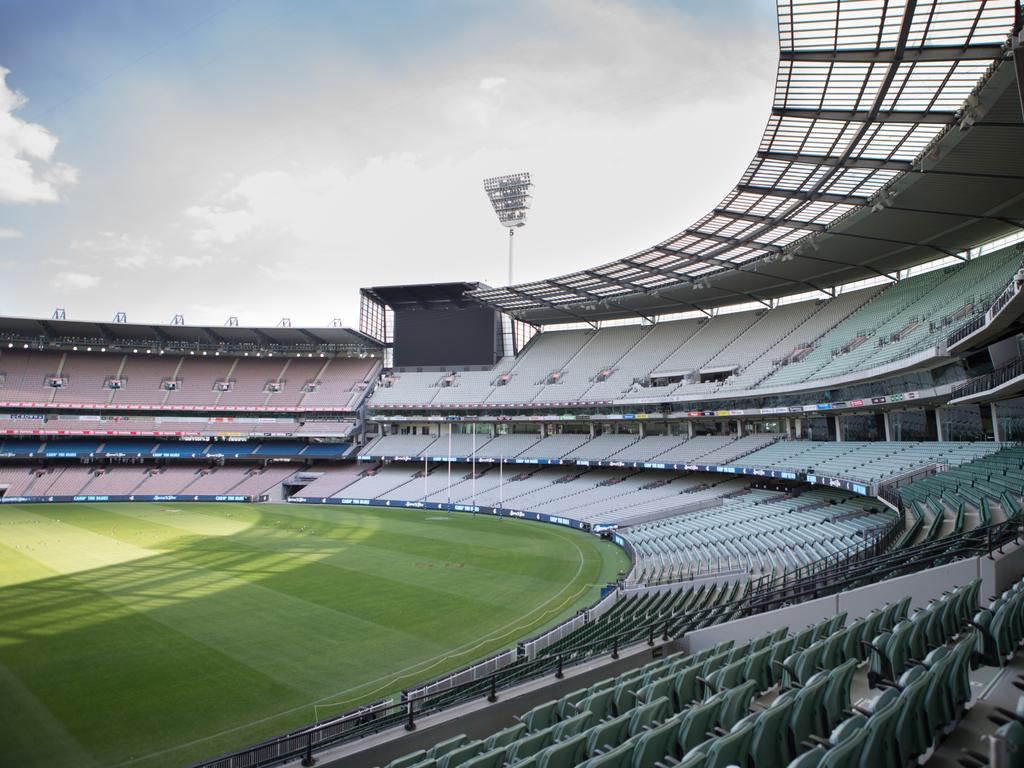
510, 196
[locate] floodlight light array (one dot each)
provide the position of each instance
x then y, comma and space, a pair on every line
510, 196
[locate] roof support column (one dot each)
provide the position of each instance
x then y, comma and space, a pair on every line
1018, 52
839, 428
997, 433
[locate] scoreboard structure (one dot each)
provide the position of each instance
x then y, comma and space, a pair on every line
432, 326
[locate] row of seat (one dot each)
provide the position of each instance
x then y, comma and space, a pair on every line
905, 719
630, 618
909, 641
1001, 627
759, 531
689, 708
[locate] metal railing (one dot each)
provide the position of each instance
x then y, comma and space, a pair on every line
889, 490
984, 318
981, 541
965, 330
876, 542
988, 381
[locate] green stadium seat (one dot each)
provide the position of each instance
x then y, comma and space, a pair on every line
446, 746
736, 704
912, 735
599, 704
407, 760
770, 743
697, 722
541, 716
846, 753
809, 759
564, 754
654, 745
505, 736
608, 734
619, 757
573, 725
492, 758
758, 668
731, 749
460, 754
529, 745
836, 700
879, 748
685, 689
807, 709
649, 715
567, 705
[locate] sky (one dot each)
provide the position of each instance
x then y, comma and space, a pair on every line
264, 159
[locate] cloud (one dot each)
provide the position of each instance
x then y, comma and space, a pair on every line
28, 172
219, 224
73, 281
126, 251
11, 234
119, 249
492, 84
289, 201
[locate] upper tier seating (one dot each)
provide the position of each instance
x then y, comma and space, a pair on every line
183, 380
866, 462
765, 349
899, 321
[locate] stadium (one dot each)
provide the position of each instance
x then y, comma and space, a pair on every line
750, 496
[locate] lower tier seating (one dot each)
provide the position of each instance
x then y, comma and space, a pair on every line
784, 698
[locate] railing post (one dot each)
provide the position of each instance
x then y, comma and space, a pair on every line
410, 724
558, 673
615, 647
988, 536
493, 695
650, 635
308, 759
664, 635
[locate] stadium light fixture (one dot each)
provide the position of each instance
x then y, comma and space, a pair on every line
510, 197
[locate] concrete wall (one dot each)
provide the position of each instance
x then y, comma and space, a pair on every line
741, 630
1002, 571
922, 587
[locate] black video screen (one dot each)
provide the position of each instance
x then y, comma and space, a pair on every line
445, 337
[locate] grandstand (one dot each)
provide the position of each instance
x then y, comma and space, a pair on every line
797, 420
792, 347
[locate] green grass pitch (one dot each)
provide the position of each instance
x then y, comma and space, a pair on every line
155, 635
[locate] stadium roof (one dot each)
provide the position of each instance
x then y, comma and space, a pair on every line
42, 333
895, 138
424, 295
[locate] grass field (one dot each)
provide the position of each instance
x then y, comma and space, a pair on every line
145, 635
